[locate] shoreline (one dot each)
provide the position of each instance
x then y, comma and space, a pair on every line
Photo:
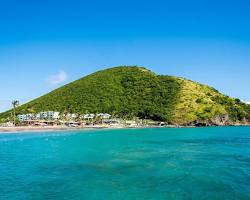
20, 129
29, 129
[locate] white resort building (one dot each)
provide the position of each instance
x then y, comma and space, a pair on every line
25, 117
104, 115
88, 116
48, 115
53, 117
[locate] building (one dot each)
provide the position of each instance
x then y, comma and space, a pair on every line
41, 115
25, 117
88, 116
48, 115
103, 115
112, 121
71, 116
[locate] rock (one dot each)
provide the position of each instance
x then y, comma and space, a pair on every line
221, 120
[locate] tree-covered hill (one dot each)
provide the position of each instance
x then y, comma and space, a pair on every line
137, 92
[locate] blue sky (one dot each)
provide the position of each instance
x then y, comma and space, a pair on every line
45, 44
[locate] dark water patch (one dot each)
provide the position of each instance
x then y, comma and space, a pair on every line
209, 141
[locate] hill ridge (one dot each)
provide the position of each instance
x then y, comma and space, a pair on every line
132, 91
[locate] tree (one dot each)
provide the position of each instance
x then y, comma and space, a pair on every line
237, 101
15, 103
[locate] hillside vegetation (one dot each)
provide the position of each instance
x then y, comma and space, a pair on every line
130, 92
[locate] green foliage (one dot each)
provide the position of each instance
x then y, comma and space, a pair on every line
128, 91
198, 100
131, 92
235, 108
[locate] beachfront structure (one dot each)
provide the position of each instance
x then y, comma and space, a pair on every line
71, 116
92, 116
25, 117
41, 115
7, 124
112, 121
48, 115
103, 115
88, 116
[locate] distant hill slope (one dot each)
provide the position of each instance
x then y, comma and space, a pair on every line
137, 92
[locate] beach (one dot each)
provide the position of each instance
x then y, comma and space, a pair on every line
21, 129
53, 128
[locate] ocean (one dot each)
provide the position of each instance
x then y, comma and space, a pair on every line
115, 164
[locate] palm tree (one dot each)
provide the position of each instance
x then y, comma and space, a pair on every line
15, 103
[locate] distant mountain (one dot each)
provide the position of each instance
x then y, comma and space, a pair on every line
137, 92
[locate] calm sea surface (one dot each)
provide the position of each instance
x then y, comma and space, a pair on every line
201, 163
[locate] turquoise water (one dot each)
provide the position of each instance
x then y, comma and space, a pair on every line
201, 163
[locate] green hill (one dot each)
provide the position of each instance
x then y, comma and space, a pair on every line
137, 92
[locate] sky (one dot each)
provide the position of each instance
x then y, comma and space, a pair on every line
45, 44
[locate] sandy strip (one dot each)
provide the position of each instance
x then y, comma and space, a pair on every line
23, 129
52, 128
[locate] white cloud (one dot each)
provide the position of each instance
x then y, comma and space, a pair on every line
57, 79
247, 102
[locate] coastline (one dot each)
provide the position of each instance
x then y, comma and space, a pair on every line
20, 129
28, 129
